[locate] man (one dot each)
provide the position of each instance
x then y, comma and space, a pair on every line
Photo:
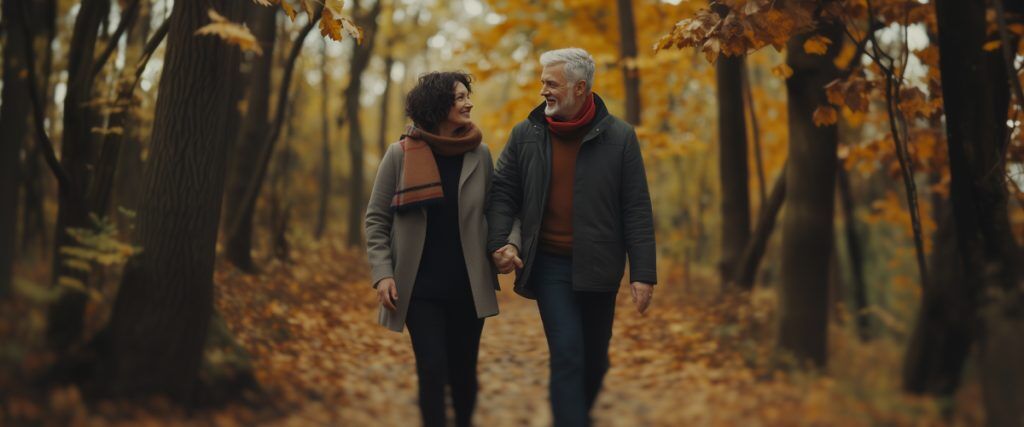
573, 174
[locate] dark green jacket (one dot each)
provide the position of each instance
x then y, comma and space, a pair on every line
612, 214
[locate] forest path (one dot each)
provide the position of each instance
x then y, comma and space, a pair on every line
311, 329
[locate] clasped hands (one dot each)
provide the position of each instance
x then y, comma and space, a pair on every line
507, 258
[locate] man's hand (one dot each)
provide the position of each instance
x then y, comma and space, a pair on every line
387, 293
642, 293
507, 259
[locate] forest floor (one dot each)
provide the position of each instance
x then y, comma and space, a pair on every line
695, 359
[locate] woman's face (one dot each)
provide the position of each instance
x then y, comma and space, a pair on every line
459, 113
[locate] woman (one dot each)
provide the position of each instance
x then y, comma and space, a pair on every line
426, 241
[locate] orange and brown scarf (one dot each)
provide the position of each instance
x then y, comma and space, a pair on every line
421, 181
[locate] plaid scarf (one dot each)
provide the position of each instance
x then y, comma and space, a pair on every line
421, 181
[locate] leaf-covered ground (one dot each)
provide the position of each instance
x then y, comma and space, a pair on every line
695, 359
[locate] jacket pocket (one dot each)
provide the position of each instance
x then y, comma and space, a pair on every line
603, 263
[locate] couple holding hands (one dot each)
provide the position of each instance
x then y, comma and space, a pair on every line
566, 203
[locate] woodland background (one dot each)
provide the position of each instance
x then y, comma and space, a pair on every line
836, 187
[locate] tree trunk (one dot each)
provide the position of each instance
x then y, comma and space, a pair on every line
807, 239
325, 144
732, 164
627, 50
385, 105
14, 115
360, 60
64, 321
856, 253
128, 179
746, 268
160, 317
975, 98
255, 126
33, 219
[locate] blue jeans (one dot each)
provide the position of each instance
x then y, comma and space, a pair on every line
578, 326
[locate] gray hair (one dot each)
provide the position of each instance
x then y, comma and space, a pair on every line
579, 65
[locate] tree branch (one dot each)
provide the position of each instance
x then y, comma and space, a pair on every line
64, 183
252, 190
130, 14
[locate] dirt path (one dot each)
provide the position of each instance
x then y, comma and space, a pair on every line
690, 361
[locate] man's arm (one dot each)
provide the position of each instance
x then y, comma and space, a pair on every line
637, 215
505, 197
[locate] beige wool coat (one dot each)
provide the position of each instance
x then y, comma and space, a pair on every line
394, 240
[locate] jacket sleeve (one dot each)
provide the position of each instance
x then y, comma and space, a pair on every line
637, 215
379, 218
504, 198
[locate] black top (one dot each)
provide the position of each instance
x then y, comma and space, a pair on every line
442, 272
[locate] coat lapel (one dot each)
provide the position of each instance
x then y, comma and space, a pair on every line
469, 164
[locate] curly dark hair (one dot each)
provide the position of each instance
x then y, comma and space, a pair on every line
429, 102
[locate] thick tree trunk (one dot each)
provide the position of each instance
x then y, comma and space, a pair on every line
255, 127
325, 144
856, 254
732, 164
627, 51
807, 239
165, 301
975, 98
14, 115
360, 60
64, 321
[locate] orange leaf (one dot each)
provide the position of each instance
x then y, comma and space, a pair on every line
825, 115
782, 70
817, 45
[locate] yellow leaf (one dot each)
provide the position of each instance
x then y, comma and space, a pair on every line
262, 2
783, 71
288, 10
817, 45
991, 45
71, 282
238, 35
825, 115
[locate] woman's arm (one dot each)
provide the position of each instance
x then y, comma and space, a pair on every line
379, 217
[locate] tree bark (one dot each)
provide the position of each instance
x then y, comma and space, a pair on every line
128, 179
360, 60
255, 126
807, 239
14, 116
732, 164
165, 301
33, 218
627, 50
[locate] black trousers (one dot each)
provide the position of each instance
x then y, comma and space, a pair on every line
446, 339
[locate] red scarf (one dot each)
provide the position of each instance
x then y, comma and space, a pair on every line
569, 127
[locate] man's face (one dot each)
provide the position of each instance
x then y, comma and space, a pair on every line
563, 97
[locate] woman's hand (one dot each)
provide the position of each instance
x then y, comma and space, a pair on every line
387, 293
